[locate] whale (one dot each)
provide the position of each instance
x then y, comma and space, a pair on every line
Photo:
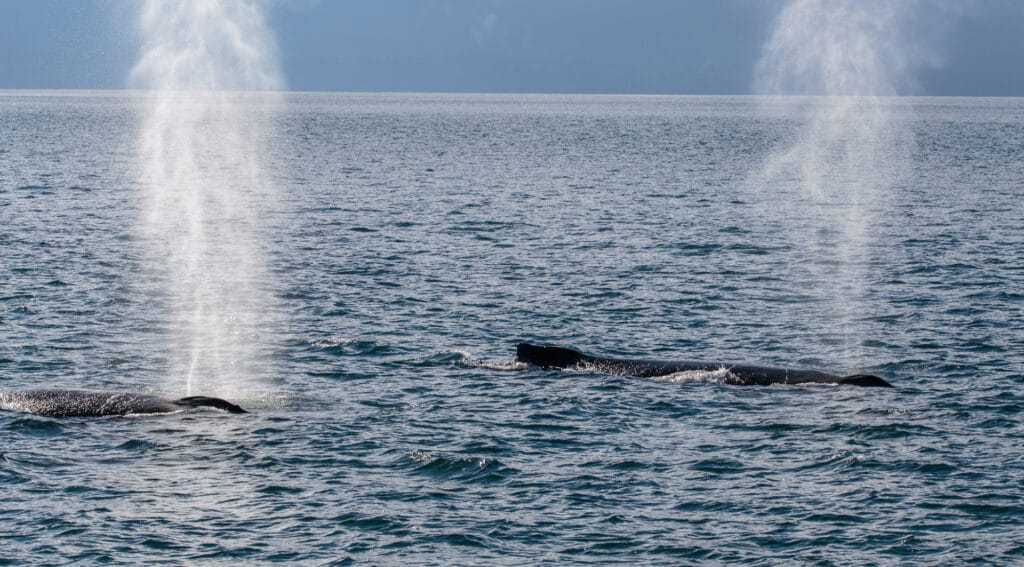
552, 357
85, 403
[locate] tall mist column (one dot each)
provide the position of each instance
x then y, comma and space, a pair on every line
842, 59
210, 74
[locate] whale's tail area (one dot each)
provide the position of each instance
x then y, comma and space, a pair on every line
549, 357
866, 380
205, 401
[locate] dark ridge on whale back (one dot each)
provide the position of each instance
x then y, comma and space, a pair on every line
548, 357
206, 401
866, 380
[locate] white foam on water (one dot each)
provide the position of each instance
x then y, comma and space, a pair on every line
719, 376
329, 342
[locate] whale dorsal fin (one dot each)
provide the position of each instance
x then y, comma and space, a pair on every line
205, 401
866, 380
549, 357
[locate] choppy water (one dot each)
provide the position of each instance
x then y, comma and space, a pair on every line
420, 237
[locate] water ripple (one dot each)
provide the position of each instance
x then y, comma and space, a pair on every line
420, 238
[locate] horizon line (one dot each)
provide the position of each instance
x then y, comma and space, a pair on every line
6, 91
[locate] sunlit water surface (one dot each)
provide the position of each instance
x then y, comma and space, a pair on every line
417, 239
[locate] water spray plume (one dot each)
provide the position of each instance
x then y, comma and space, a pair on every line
210, 75
842, 48
844, 60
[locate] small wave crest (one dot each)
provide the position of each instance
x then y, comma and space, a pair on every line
331, 342
466, 359
458, 468
348, 346
510, 365
36, 426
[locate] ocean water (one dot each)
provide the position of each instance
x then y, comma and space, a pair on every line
415, 239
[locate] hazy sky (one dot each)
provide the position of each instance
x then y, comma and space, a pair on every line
974, 47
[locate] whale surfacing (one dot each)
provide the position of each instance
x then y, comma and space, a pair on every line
738, 374
83, 403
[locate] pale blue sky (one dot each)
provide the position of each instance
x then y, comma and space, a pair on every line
589, 46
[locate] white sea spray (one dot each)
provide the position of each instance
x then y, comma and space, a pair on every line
210, 76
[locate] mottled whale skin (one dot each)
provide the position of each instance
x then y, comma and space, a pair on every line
83, 403
738, 374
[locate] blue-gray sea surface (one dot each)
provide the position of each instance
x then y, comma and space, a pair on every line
417, 239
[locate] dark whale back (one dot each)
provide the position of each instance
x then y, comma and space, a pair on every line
548, 357
83, 403
205, 401
866, 380
739, 374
